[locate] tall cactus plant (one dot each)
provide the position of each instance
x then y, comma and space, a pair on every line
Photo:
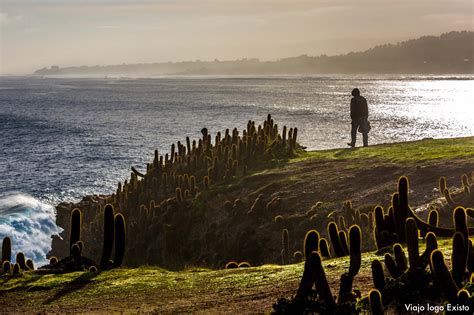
6, 249
119, 240
75, 231
109, 234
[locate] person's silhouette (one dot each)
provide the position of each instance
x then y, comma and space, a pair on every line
359, 116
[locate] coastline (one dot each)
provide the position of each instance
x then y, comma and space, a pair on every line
367, 176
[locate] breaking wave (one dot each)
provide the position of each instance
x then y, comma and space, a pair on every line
29, 223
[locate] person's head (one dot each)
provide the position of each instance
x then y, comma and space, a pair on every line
355, 92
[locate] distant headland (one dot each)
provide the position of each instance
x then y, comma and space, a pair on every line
448, 53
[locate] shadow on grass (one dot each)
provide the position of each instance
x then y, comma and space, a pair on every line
346, 152
74, 285
24, 284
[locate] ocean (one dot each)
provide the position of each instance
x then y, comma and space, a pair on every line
64, 138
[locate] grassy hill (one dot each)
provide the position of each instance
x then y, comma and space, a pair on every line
367, 176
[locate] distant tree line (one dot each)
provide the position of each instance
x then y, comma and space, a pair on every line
449, 53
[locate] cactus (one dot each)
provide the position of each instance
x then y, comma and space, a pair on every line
206, 182
431, 245
81, 245
285, 247
324, 248
411, 235
343, 240
109, 233
377, 275
400, 257
378, 216
335, 240
440, 232
6, 249
433, 217
375, 299
30, 264
463, 296
6, 266
179, 195
319, 276
76, 256
75, 234
231, 265
119, 240
449, 199
379, 227
21, 260
355, 254
400, 207
192, 183
297, 256
458, 258
443, 277
460, 223
442, 185
311, 243
354, 265
16, 269
392, 268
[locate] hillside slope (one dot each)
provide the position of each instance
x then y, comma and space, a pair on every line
324, 179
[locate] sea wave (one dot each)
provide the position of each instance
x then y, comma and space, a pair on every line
30, 223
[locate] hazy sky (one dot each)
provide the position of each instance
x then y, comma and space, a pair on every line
35, 34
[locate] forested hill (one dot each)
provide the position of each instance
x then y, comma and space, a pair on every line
449, 53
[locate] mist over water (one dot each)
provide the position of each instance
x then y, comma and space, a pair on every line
29, 223
63, 138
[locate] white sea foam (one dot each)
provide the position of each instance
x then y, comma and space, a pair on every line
29, 223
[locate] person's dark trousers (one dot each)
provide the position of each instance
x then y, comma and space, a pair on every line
355, 126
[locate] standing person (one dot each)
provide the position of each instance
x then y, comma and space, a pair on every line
359, 116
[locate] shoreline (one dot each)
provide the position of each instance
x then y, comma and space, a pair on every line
299, 183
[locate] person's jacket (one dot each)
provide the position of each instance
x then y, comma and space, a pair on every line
359, 108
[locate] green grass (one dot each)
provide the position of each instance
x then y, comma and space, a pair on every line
423, 150
151, 285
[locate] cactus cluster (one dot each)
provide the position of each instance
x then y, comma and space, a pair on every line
464, 196
159, 203
234, 265
390, 226
113, 241
21, 264
346, 217
314, 293
409, 283
414, 276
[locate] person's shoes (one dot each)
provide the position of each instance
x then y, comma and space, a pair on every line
350, 144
